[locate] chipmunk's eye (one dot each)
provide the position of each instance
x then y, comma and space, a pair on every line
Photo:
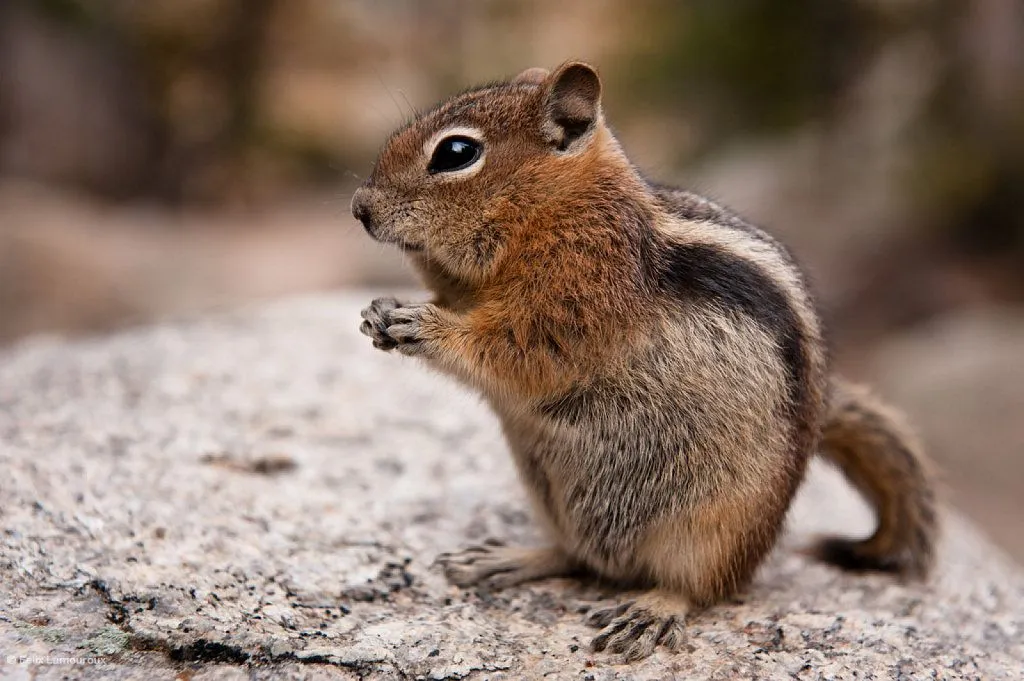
454, 153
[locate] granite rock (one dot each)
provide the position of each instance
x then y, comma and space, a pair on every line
261, 494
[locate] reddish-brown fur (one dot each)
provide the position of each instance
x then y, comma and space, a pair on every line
657, 363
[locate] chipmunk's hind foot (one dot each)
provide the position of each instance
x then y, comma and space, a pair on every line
494, 566
636, 628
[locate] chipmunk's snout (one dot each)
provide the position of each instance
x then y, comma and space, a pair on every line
362, 210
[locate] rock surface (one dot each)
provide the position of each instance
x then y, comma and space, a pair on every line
261, 495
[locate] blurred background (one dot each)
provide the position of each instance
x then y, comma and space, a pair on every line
175, 156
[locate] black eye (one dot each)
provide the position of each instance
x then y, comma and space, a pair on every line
454, 153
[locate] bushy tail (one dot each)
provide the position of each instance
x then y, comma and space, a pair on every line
884, 461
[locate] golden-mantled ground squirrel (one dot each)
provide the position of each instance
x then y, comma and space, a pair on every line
656, 361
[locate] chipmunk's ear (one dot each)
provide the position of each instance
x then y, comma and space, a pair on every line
534, 76
573, 104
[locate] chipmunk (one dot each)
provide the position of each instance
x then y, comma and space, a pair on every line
657, 362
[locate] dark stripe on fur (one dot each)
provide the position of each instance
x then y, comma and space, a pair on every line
696, 208
705, 272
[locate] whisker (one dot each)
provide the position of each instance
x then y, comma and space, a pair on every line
412, 109
401, 114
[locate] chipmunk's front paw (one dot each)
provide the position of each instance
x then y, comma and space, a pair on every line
394, 326
376, 319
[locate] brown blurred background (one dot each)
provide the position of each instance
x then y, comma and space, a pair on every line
174, 156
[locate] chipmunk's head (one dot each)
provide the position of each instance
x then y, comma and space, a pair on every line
458, 181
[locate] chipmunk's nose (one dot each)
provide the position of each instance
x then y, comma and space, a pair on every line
361, 209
